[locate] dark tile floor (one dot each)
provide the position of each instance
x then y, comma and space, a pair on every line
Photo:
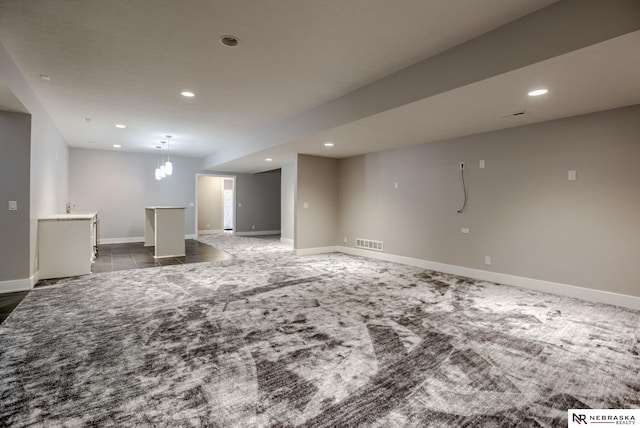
113, 257
8, 303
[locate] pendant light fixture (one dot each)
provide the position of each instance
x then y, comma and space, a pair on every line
168, 165
157, 171
165, 168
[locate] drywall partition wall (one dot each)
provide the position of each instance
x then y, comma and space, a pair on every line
316, 203
210, 203
49, 155
522, 211
49, 174
120, 184
258, 203
287, 205
15, 142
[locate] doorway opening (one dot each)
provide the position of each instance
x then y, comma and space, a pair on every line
215, 203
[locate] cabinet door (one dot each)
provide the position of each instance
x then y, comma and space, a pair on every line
65, 248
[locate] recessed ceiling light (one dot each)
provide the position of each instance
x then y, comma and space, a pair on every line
121, 126
328, 144
116, 146
268, 159
187, 94
229, 40
538, 92
45, 77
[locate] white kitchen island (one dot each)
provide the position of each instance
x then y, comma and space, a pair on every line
164, 230
67, 244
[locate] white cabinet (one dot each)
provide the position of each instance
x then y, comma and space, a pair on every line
164, 230
67, 244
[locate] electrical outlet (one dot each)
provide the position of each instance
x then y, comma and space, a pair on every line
461, 165
253, 226
481, 164
345, 239
487, 260
465, 230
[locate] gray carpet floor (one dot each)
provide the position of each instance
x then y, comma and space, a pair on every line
267, 339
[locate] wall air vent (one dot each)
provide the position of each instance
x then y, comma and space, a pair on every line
515, 113
369, 244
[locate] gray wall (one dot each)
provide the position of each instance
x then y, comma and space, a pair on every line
48, 173
287, 203
210, 203
317, 185
119, 185
258, 202
522, 211
15, 143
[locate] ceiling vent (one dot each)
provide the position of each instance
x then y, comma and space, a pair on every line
515, 113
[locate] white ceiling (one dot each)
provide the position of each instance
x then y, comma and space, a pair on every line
612, 67
127, 62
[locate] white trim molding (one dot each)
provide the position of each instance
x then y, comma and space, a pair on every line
588, 294
210, 231
121, 240
318, 250
15, 285
288, 242
258, 233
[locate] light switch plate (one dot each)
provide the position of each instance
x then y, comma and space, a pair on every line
572, 175
481, 163
465, 230
13, 205
305, 205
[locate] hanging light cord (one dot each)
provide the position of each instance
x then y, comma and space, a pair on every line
464, 188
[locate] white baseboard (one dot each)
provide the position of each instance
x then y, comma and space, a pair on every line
125, 240
317, 250
131, 239
258, 232
210, 231
14, 285
287, 242
589, 294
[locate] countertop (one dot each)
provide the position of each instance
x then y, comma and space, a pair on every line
164, 208
72, 216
